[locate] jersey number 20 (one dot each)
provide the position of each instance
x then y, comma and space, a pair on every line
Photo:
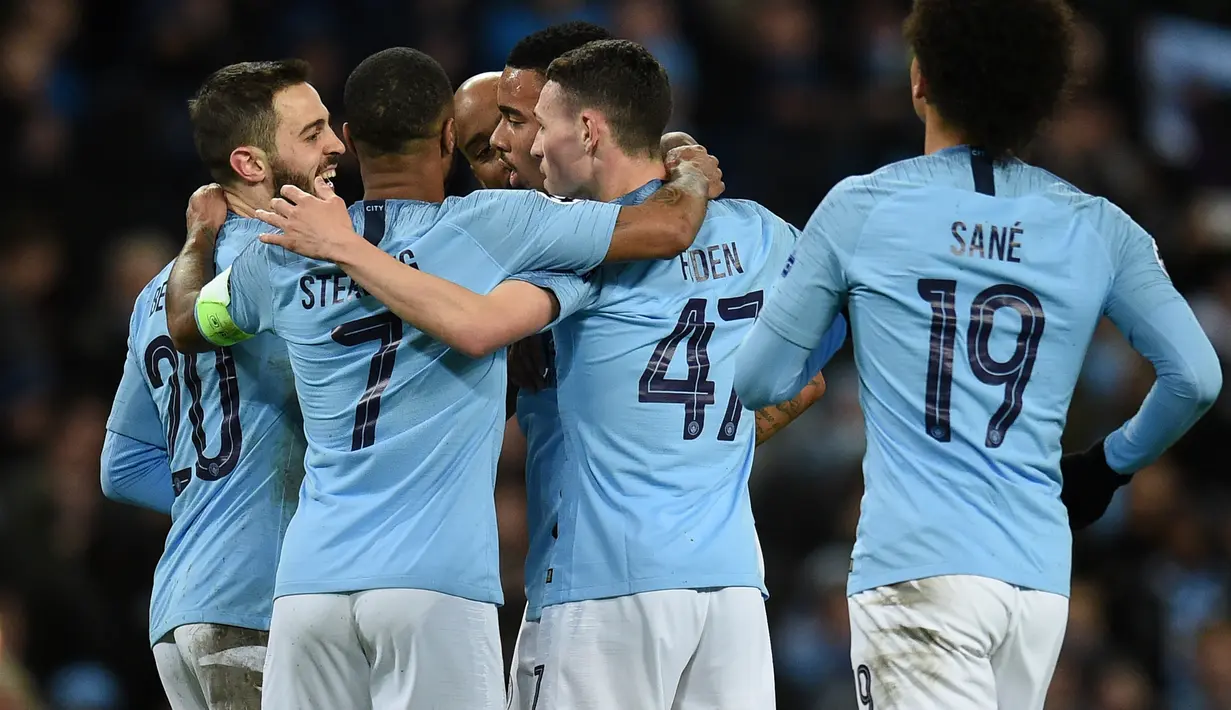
1012, 374
231, 438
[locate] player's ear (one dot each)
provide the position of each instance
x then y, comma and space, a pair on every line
249, 163
350, 143
918, 84
591, 127
448, 137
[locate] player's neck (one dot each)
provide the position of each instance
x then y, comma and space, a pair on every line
245, 200
403, 177
937, 135
623, 174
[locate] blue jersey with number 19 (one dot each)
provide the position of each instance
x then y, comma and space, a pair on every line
235, 442
974, 289
403, 432
660, 448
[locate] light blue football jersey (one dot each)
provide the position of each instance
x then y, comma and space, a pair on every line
538, 415
404, 432
974, 290
659, 446
235, 441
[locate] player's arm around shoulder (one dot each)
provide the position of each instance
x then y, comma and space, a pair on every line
667, 223
194, 267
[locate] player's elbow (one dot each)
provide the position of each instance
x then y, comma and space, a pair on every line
753, 388
1206, 383
184, 333
477, 346
679, 232
109, 477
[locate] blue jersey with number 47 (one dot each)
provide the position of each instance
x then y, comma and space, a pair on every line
659, 446
234, 438
404, 432
974, 290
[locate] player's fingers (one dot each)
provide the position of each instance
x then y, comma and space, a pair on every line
275, 239
323, 189
281, 207
294, 194
272, 218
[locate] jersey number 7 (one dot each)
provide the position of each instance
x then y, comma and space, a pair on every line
386, 329
1013, 374
696, 391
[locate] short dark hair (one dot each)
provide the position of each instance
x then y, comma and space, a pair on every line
996, 70
536, 51
624, 81
235, 107
394, 97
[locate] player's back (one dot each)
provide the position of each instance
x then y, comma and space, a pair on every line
661, 444
235, 444
403, 432
974, 292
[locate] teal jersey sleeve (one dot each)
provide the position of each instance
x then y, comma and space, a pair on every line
1159, 324
574, 293
134, 412
136, 472
530, 231
798, 324
238, 303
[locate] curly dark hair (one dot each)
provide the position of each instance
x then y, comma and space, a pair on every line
996, 70
624, 81
394, 97
235, 107
537, 50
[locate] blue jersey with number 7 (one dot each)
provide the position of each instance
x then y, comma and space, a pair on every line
403, 432
974, 290
655, 494
235, 445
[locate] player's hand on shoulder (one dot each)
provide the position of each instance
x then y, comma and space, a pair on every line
528, 363
316, 226
695, 160
207, 210
675, 139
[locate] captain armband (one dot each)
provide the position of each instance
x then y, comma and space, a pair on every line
213, 318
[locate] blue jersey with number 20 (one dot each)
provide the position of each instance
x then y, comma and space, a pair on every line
234, 438
403, 432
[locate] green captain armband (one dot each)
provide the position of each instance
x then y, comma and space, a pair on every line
213, 319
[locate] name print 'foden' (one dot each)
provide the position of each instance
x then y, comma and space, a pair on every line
1002, 242
715, 262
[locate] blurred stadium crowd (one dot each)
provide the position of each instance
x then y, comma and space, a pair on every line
792, 95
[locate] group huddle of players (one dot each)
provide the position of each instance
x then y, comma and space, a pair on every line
316, 393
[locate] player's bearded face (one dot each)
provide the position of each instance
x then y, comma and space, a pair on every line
307, 147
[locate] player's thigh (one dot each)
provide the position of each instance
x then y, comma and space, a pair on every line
1024, 663
228, 662
178, 679
431, 650
315, 660
612, 654
926, 644
733, 666
527, 672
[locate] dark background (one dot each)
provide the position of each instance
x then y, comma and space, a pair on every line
792, 96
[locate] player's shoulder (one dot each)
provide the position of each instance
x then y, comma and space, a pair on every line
143, 305
237, 234
747, 214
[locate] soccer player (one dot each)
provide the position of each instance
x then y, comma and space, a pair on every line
653, 591
475, 118
974, 283
525, 72
216, 439
389, 576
